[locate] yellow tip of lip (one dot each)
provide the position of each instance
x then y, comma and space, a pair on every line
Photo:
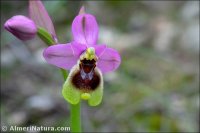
85, 96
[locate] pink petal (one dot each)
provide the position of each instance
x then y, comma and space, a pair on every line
85, 29
109, 60
63, 55
99, 49
40, 16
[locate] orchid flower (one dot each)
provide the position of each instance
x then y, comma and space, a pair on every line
85, 59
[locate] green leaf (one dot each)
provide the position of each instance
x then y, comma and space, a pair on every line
45, 36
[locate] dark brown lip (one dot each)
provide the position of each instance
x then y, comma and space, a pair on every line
86, 78
86, 85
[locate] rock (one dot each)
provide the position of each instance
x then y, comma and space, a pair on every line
190, 11
164, 33
190, 38
40, 102
120, 41
7, 58
18, 118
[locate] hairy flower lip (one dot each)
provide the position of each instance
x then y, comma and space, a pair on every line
22, 27
86, 84
75, 89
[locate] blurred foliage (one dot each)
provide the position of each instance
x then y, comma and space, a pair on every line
156, 88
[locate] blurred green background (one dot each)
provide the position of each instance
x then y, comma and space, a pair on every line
155, 89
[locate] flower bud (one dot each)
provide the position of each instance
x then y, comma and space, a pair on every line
21, 27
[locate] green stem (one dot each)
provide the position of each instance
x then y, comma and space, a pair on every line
75, 116
45, 36
64, 73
